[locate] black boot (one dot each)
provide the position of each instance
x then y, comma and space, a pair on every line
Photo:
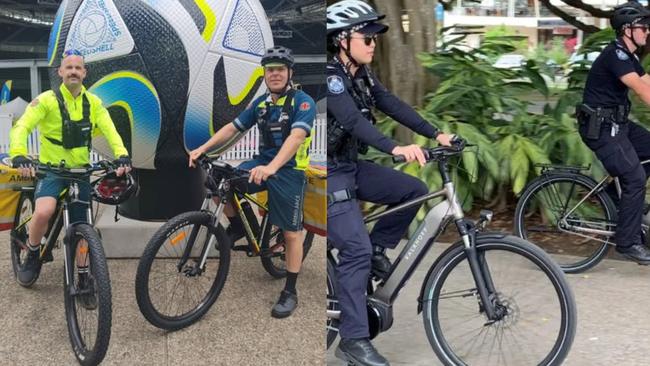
637, 252
359, 352
380, 262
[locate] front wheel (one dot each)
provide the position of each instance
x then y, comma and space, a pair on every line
536, 320
563, 213
87, 295
182, 270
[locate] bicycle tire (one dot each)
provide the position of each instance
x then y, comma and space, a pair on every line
98, 268
520, 250
586, 253
152, 312
19, 235
268, 256
332, 302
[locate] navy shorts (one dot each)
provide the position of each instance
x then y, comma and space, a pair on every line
286, 195
52, 186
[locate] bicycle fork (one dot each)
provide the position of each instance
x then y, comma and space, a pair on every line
480, 271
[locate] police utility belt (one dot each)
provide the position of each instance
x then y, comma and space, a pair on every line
74, 133
595, 117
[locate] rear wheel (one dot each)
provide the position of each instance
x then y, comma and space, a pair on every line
557, 211
332, 302
19, 235
274, 256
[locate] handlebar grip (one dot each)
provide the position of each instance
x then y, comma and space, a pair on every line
399, 159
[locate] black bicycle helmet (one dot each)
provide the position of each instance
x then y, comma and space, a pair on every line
114, 190
278, 55
629, 13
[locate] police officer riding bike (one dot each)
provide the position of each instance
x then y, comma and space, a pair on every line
353, 91
604, 126
285, 117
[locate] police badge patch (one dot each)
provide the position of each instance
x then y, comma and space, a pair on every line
622, 55
335, 84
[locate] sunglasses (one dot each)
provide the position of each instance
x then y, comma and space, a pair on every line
71, 53
368, 39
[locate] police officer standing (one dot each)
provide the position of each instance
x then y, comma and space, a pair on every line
353, 91
604, 125
66, 118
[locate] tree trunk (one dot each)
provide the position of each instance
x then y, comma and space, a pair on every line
396, 62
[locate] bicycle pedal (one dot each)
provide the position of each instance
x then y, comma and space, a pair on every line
240, 248
47, 257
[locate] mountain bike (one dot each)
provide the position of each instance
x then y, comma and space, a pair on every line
488, 299
185, 264
571, 214
87, 292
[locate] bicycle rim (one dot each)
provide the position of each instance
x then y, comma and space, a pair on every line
179, 289
539, 316
89, 327
555, 216
332, 327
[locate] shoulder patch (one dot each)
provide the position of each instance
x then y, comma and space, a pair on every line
34, 102
304, 106
335, 84
622, 55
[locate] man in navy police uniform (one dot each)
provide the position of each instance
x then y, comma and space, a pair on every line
604, 125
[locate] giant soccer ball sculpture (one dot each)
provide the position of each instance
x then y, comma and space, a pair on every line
171, 73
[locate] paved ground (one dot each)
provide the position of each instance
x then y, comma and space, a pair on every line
613, 319
238, 330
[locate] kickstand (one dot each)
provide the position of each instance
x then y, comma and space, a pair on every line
117, 217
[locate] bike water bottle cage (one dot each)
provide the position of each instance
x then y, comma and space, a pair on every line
73, 133
282, 124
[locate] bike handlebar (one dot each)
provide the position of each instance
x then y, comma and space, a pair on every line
437, 153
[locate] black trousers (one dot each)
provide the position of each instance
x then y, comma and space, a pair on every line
347, 232
621, 156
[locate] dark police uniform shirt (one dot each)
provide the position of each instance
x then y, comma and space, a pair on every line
341, 105
604, 87
304, 113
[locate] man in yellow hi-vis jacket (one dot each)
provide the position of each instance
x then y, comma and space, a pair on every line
66, 118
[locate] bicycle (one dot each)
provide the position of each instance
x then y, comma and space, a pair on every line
564, 205
87, 297
193, 250
476, 297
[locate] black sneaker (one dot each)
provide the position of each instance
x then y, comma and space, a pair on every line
287, 303
359, 352
380, 264
31, 267
87, 295
637, 252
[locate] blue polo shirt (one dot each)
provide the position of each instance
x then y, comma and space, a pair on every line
302, 115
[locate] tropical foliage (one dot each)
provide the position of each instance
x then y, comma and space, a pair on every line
491, 108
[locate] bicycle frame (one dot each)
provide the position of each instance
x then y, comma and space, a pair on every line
224, 194
577, 229
60, 222
422, 240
